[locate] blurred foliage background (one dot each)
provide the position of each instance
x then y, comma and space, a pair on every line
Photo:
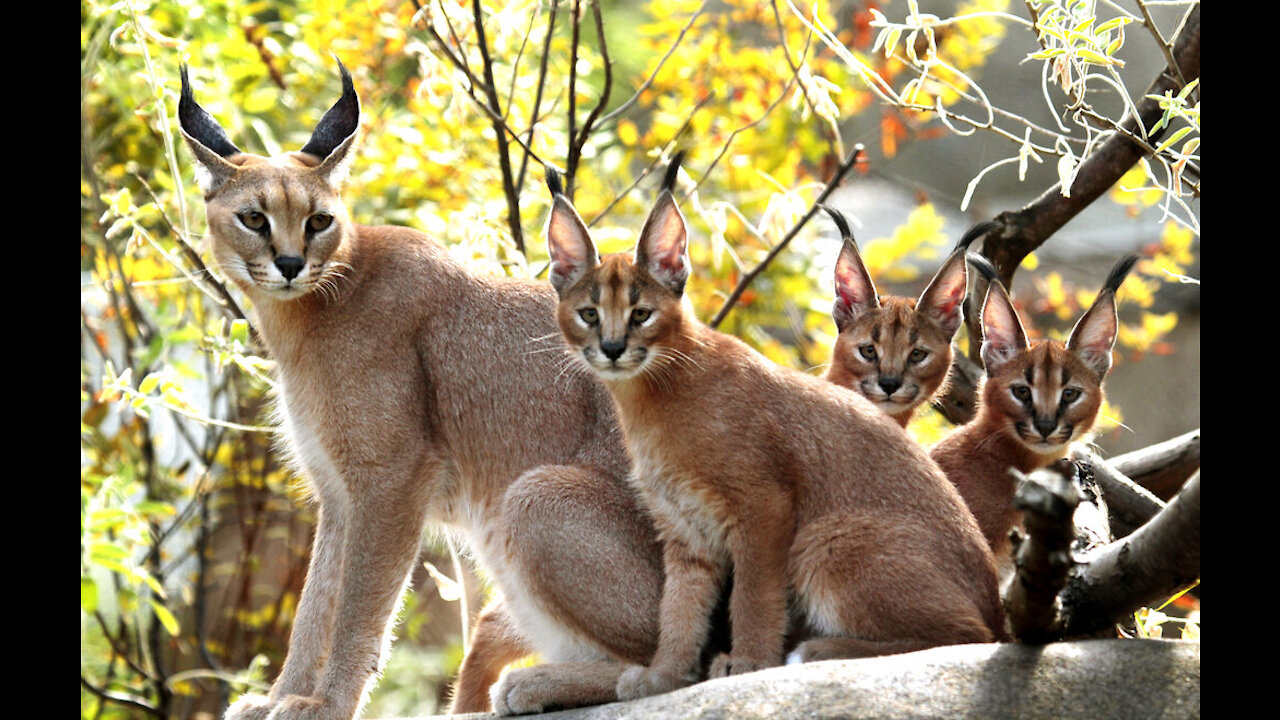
194, 541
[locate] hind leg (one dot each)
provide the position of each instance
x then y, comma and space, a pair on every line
495, 643
559, 685
869, 588
582, 581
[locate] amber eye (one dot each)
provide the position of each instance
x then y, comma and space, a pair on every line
1022, 392
867, 351
1070, 394
589, 315
253, 220
640, 315
918, 355
319, 222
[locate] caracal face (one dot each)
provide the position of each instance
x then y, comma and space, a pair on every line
275, 223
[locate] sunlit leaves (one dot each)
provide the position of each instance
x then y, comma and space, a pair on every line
918, 237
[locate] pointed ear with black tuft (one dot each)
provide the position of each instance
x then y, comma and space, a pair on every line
207, 140
335, 135
1094, 336
855, 293
663, 247
573, 254
1002, 334
972, 234
943, 300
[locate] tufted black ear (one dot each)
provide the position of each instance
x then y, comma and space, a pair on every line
1094, 335
207, 141
573, 254
339, 123
663, 247
855, 293
199, 125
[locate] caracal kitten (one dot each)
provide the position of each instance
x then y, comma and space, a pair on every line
895, 351
412, 392
813, 500
1038, 398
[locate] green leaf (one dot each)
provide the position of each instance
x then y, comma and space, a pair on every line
1175, 137
165, 617
1112, 24
88, 594
149, 383
1093, 56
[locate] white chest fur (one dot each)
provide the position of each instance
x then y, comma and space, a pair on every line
302, 430
682, 508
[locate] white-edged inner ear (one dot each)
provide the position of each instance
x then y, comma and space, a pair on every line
569, 244
211, 169
663, 248
1002, 333
1094, 336
943, 300
855, 293
337, 167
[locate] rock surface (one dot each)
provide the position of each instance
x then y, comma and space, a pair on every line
1088, 680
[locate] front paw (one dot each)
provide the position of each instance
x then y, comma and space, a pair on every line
725, 665
638, 681
297, 707
292, 707
250, 707
519, 692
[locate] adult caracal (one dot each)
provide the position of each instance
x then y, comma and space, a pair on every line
810, 497
411, 392
895, 351
1037, 398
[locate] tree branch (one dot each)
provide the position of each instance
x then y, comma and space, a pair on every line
1022, 231
1162, 468
746, 279
1048, 500
500, 133
1151, 565
1129, 505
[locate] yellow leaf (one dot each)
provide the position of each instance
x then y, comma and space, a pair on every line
627, 133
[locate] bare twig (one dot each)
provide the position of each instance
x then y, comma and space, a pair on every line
129, 701
625, 106
746, 279
578, 139
542, 84
499, 133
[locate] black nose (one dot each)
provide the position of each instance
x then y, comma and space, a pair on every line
613, 349
1045, 426
890, 384
289, 266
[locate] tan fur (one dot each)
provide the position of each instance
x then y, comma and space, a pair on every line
411, 392
1038, 398
815, 502
895, 351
